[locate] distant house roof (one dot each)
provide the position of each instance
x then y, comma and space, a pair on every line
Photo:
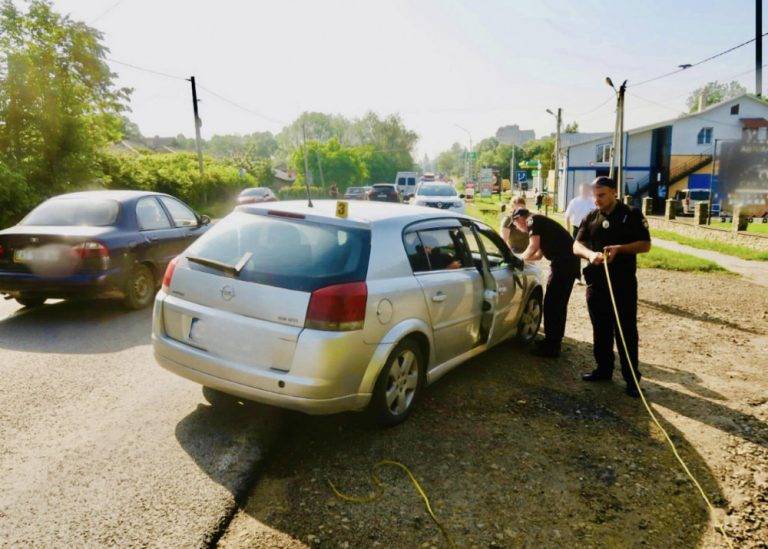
284, 175
669, 121
570, 139
753, 123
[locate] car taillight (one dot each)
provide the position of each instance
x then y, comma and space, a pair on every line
168, 276
93, 250
338, 308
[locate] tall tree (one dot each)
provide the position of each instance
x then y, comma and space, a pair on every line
573, 127
59, 106
713, 92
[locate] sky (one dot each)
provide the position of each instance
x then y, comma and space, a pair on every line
441, 64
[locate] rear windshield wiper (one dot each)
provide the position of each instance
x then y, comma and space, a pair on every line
234, 270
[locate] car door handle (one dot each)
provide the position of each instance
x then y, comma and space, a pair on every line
152, 239
439, 297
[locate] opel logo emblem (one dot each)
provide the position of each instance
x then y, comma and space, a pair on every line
227, 292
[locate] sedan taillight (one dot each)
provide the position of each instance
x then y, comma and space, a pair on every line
93, 250
168, 276
338, 308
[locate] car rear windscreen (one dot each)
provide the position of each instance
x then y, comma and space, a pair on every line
436, 190
91, 212
287, 253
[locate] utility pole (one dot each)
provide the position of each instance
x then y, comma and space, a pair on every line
559, 117
306, 164
758, 47
198, 124
512, 178
618, 137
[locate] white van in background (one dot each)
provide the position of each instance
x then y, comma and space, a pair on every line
406, 183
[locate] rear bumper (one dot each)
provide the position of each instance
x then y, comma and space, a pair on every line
91, 283
326, 374
169, 355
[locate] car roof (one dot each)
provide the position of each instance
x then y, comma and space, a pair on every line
120, 196
358, 212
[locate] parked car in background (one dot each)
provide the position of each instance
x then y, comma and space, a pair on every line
438, 195
254, 195
96, 244
356, 193
384, 192
688, 198
292, 306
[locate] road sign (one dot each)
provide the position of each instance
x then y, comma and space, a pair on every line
522, 176
486, 181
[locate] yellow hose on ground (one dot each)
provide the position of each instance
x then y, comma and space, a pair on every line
718, 526
379, 484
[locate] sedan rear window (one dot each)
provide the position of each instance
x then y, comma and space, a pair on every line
64, 212
436, 190
287, 253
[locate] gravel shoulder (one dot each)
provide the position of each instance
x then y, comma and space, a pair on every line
516, 451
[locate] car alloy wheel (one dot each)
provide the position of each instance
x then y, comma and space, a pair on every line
530, 320
399, 384
140, 287
402, 381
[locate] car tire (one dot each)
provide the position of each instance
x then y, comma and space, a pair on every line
399, 385
220, 399
530, 319
140, 287
30, 301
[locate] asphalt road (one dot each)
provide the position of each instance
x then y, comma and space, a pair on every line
99, 445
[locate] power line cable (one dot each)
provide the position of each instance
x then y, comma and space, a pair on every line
696, 64
242, 107
105, 12
144, 69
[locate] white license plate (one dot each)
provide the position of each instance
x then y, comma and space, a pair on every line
32, 255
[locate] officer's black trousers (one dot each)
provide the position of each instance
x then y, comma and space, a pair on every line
604, 330
559, 287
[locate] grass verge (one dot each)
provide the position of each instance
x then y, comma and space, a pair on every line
659, 258
723, 247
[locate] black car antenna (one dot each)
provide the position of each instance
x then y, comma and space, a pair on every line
306, 164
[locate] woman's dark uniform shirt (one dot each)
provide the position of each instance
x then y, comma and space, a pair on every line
555, 243
622, 226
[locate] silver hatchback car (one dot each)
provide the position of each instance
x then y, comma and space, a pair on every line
297, 307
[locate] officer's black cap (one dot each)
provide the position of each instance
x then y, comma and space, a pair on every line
520, 212
604, 181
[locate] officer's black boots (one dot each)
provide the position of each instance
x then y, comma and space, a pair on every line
597, 375
632, 390
546, 349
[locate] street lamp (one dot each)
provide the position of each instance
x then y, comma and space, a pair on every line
467, 170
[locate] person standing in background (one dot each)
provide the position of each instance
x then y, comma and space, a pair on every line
577, 210
516, 239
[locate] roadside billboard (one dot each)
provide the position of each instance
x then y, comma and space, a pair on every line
743, 175
486, 182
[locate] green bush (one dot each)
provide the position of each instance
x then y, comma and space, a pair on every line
176, 174
16, 197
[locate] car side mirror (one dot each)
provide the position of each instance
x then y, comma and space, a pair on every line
204, 220
462, 196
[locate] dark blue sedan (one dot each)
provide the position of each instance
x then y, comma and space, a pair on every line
96, 244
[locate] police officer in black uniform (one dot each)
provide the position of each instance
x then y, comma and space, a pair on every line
613, 233
547, 238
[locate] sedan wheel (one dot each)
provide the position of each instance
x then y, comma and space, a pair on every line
140, 287
399, 384
530, 320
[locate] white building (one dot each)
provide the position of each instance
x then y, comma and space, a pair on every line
664, 157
